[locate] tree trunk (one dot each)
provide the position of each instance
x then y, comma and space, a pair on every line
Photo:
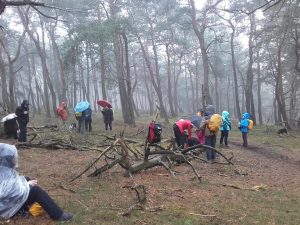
42, 55
170, 97
4, 92
259, 108
200, 35
103, 75
95, 82
129, 90
155, 83
279, 89
249, 80
236, 88
62, 80
149, 93
87, 55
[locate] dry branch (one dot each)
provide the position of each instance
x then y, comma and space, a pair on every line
98, 158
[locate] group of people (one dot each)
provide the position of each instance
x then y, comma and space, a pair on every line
84, 118
16, 126
18, 193
206, 129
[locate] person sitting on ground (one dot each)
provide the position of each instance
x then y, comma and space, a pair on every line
22, 113
11, 128
243, 126
88, 119
108, 116
179, 131
225, 128
18, 193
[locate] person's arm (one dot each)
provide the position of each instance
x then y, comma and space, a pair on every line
18, 111
32, 182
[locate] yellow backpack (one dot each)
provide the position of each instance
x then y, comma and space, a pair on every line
215, 122
250, 126
36, 209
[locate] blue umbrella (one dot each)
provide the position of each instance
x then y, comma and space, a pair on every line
196, 120
81, 106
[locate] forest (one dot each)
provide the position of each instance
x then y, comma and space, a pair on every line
179, 55
159, 61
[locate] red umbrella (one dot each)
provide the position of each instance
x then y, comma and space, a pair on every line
104, 103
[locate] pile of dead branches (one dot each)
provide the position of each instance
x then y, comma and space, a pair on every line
121, 153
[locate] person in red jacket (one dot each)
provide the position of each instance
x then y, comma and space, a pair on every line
179, 131
62, 112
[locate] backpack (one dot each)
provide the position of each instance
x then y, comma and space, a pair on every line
154, 133
78, 114
36, 209
214, 123
250, 126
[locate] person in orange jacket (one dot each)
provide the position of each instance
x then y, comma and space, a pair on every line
179, 131
62, 112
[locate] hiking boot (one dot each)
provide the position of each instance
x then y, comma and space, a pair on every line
65, 217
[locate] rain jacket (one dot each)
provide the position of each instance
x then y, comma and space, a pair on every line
22, 112
14, 189
244, 123
88, 114
226, 124
185, 124
62, 111
108, 115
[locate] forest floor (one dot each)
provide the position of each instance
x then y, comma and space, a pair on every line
262, 187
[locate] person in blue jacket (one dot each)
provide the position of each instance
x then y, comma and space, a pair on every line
88, 119
225, 128
243, 126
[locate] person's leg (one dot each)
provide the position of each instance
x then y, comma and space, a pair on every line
213, 144
37, 194
245, 143
183, 141
90, 125
25, 133
86, 123
22, 135
110, 125
226, 137
208, 151
78, 127
177, 134
106, 126
222, 137
82, 126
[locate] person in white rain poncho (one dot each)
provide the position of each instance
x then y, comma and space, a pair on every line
14, 189
17, 192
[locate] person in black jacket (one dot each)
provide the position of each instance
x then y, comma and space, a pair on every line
108, 115
22, 113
